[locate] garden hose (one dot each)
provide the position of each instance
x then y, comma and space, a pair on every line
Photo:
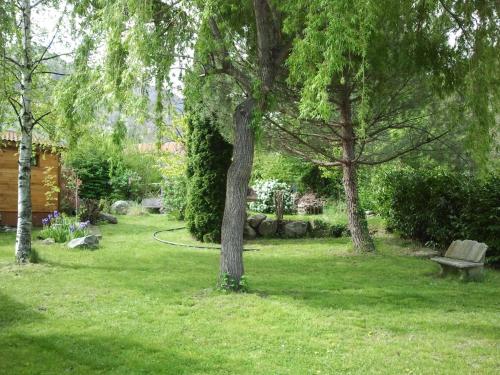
186, 245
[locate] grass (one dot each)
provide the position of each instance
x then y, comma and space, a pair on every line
136, 306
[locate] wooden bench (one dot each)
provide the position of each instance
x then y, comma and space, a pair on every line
466, 257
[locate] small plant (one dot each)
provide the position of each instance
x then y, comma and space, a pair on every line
339, 230
228, 283
63, 228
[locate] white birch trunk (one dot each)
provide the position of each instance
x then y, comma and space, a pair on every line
24, 221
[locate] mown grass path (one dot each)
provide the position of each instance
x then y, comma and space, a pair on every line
136, 306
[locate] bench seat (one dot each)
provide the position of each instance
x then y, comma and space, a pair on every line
465, 257
458, 263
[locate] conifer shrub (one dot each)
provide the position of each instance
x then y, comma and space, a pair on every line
209, 157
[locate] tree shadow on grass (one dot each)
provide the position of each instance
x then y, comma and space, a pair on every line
89, 354
13, 312
378, 284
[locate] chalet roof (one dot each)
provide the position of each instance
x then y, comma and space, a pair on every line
13, 136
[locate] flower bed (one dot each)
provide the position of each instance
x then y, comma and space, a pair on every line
63, 228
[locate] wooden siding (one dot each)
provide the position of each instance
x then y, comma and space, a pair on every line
8, 180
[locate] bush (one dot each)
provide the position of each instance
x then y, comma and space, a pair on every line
63, 228
439, 207
107, 171
320, 228
174, 196
89, 210
209, 157
265, 190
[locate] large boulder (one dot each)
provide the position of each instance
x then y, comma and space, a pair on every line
248, 232
255, 220
295, 229
268, 228
107, 217
120, 207
90, 241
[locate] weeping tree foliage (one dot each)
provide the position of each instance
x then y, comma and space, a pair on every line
209, 157
363, 92
141, 40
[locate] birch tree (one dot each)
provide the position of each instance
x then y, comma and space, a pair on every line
21, 61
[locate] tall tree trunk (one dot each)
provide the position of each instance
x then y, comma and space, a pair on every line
238, 177
23, 235
356, 216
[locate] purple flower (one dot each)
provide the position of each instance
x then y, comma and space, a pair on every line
56, 214
49, 217
72, 228
45, 221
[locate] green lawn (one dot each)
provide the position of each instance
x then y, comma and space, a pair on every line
136, 306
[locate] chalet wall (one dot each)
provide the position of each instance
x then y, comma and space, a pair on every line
47, 162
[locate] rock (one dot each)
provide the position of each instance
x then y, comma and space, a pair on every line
94, 229
295, 229
255, 220
248, 232
120, 207
87, 241
268, 228
49, 241
107, 217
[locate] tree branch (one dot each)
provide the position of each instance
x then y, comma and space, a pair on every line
12, 103
401, 153
40, 118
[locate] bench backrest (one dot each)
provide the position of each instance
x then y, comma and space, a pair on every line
152, 202
471, 251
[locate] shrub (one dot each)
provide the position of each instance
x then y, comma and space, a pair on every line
209, 157
174, 196
320, 228
439, 207
63, 228
108, 171
89, 210
265, 190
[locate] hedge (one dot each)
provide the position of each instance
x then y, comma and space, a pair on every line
437, 207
